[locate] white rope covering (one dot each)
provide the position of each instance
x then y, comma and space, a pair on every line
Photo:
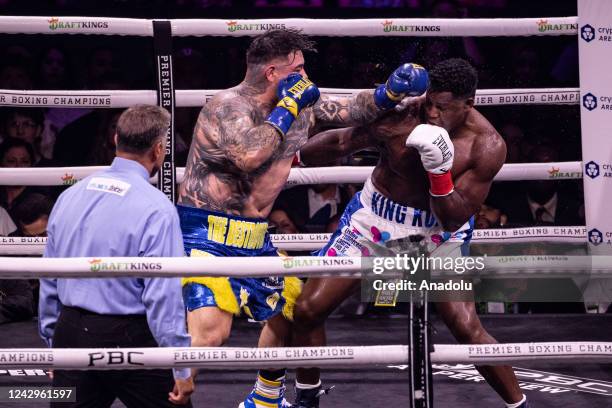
198, 97
303, 266
292, 357
309, 242
76, 25
26, 268
374, 27
57, 176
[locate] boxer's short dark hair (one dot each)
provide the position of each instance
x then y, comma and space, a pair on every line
454, 75
276, 44
140, 127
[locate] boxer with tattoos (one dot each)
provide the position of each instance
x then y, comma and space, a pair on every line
243, 146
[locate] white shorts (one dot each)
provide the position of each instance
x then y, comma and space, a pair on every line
372, 225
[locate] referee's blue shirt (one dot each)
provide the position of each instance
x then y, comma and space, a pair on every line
116, 212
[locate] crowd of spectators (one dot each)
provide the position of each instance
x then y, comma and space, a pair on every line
47, 137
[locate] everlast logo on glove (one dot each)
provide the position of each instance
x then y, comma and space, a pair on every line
441, 144
299, 87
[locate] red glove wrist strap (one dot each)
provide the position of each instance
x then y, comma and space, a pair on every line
441, 184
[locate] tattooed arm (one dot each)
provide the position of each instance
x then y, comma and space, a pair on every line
341, 111
229, 124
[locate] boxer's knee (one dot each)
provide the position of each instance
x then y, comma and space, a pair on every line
209, 338
307, 314
469, 331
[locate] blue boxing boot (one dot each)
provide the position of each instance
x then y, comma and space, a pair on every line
268, 392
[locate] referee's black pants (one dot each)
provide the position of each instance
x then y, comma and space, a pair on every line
78, 328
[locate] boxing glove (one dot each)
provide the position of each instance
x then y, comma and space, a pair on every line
294, 93
407, 80
437, 153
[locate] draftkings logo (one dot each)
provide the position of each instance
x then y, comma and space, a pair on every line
56, 24
543, 26
389, 27
69, 179
289, 263
233, 26
97, 265
556, 173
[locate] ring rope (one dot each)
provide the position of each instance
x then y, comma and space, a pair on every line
293, 357
58, 176
375, 27
198, 97
303, 266
310, 242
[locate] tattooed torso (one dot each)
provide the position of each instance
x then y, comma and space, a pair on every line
237, 164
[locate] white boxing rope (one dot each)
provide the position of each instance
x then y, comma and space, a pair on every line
76, 99
292, 357
198, 97
312, 241
373, 27
510, 353
106, 267
204, 357
76, 25
303, 266
57, 176
384, 27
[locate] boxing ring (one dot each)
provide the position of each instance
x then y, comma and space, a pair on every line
165, 95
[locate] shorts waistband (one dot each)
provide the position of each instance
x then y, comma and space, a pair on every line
225, 229
394, 212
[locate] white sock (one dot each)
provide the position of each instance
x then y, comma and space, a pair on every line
517, 404
307, 386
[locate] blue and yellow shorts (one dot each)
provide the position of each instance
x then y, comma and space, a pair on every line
208, 233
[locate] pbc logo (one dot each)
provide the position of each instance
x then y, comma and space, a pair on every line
589, 101
114, 358
587, 32
591, 169
595, 236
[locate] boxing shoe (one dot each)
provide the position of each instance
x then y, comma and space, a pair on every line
309, 398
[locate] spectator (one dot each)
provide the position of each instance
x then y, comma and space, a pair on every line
281, 222
324, 204
26, 124
71, 148
541, 202
514, 137
489, 217
102, 150
53, 72
15, 74
7, 225
16, 300
31, 215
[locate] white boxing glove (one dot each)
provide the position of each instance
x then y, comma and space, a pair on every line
437, 152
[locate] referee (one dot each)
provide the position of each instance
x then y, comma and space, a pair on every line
116, 212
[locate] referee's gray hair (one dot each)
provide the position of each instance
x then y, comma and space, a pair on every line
140, 127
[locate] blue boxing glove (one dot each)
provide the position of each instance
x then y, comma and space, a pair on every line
407, 80
295, 94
